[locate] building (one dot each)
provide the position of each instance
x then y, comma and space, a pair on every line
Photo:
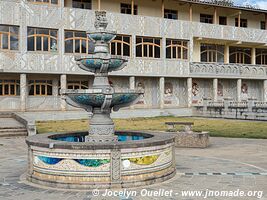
179, 51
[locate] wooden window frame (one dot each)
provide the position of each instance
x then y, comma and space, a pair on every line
262, 25
6, 82
82, 2
35, 35
171, 12
121, 42
225, 18
263, 56
73, 38
153, 44
44, 3
9, 34
177, 46
129, 7
80, 84
40, 84
243, 23
206, 17
211, 52
240, 56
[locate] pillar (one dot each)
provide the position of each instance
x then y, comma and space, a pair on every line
215, 16
226, 54
55, 87
253, 56
132, 6
239, 85
239, 19
132, 86
162, 8
190, 13
189, 92
215, 89
161, 92
23, 92
63, 85
99, 4
265, 90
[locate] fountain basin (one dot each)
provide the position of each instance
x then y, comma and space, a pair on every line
58, 163
94, 64
96, 98
105, 36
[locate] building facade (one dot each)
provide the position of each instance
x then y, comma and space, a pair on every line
179, 51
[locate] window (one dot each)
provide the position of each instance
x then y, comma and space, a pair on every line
261, 56
40, 87
77, 85
44, 1
243, 23
222, 20
206, 18
147, 47
9, 37
121, 45
9, 88
42, 39
78, 42
212, 53
170, 14
176, 49
240, 55
127, 9
263, 25
83, 4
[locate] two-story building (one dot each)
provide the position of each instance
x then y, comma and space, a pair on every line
179, 51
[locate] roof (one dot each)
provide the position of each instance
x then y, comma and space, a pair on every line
226, 4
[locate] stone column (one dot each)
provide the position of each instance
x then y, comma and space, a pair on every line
253, 56
63, 85
226, 54
55, 87
265, 90
215, 89
239, 84
161, 92
189, 92
132, 86
23, 92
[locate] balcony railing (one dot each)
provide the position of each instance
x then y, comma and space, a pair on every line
232, 70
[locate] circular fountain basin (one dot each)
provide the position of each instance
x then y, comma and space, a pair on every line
64, 160
93, 64
105, 36
97, 100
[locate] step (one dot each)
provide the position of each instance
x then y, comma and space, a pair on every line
14, 134
12, 127
13, 130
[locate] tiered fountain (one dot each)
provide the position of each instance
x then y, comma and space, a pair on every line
103, 158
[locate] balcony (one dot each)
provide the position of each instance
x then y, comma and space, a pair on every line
230, 70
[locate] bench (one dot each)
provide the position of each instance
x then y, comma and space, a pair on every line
172, 125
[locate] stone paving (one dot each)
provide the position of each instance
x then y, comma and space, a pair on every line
228, 165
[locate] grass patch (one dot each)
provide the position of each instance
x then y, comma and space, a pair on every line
216, 127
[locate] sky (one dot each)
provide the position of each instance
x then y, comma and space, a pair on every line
260, 3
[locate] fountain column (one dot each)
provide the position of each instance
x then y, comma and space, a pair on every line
23, 92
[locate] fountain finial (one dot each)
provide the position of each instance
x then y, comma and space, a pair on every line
101, 21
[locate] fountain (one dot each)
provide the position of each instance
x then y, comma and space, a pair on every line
101, 157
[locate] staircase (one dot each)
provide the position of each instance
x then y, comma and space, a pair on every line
10, 127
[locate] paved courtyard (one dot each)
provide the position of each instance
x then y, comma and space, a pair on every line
228, 165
